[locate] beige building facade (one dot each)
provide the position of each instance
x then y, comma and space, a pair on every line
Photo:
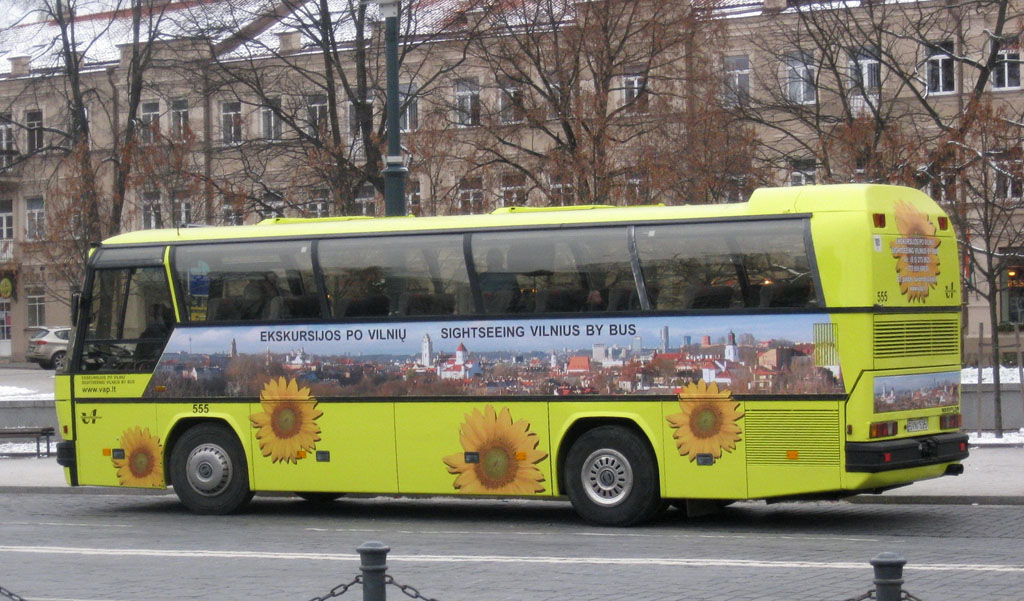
251, 119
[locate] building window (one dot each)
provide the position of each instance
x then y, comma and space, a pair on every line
35, 219
513, 190
471, 195
231, 213
366, 198
940, 68
412, 195
1013, 295
865, 71
561, 190
320, 203
942, 188
409, 118
271, 205
34, 127
1007, 72
467, 102
6, 230
231, 122
800, 77
316, 105
149, 122
634, 91
737, 80
270, 114
802, 173
7, 145
355, 129
183, 208
634, 190
35, 299
151, 214
179, 118
1009, 181
510, 103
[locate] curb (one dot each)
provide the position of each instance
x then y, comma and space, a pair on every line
935, 500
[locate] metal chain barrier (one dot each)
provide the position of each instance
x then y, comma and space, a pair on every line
339, 590
888, 579
10, 595
408, 590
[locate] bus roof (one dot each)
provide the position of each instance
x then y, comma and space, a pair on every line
764, 201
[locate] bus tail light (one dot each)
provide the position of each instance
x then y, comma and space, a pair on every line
879, 219
943, 223
951, 421
882, 429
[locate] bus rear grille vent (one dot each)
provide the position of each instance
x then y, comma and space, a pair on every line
781, 437
916, 338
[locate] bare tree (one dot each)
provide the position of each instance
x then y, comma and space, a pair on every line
582, 93
316, 81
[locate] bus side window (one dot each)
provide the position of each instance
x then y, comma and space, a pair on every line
703, 266
417, 275
579, 270
269, 281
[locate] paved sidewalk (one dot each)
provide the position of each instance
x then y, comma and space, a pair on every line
993, 475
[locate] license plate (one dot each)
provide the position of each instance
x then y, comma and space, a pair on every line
917, 424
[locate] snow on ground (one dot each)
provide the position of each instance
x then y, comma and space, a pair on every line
1007, 375
15, 393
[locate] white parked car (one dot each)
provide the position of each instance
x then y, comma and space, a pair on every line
49, 347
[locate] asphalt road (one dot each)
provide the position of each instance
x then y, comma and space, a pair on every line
125, 547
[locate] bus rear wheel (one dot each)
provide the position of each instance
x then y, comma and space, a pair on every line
209, 470
612, 478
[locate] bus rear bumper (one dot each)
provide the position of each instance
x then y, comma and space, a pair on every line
887, 455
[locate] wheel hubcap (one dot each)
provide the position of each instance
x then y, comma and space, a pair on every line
607, 477
208, 469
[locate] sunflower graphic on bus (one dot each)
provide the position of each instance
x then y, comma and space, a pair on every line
141, 461
499, 456
287, 425
916, 251
708, 423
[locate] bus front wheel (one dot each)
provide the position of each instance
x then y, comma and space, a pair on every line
611, 477
209, 471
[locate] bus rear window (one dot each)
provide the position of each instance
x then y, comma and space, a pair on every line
248, 281
706, 266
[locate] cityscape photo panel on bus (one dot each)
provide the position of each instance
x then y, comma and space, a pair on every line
777, 354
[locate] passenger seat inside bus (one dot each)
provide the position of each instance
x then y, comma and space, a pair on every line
707, 297
786, 294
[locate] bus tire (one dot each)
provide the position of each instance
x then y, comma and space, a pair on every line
612, 477
209, 471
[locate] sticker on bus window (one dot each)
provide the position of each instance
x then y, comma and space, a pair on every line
916, 251
658, 355
917, 391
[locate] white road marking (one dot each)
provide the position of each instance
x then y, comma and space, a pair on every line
509, 559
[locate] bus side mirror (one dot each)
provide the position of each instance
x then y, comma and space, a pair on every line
76, 301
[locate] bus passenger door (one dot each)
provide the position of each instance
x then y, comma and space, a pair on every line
128, 319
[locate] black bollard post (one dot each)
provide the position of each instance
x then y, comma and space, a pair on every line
373, 558
888, 576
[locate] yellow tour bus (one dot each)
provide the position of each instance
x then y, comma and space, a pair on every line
802, 345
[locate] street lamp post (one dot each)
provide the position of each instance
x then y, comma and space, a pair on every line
394, 172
